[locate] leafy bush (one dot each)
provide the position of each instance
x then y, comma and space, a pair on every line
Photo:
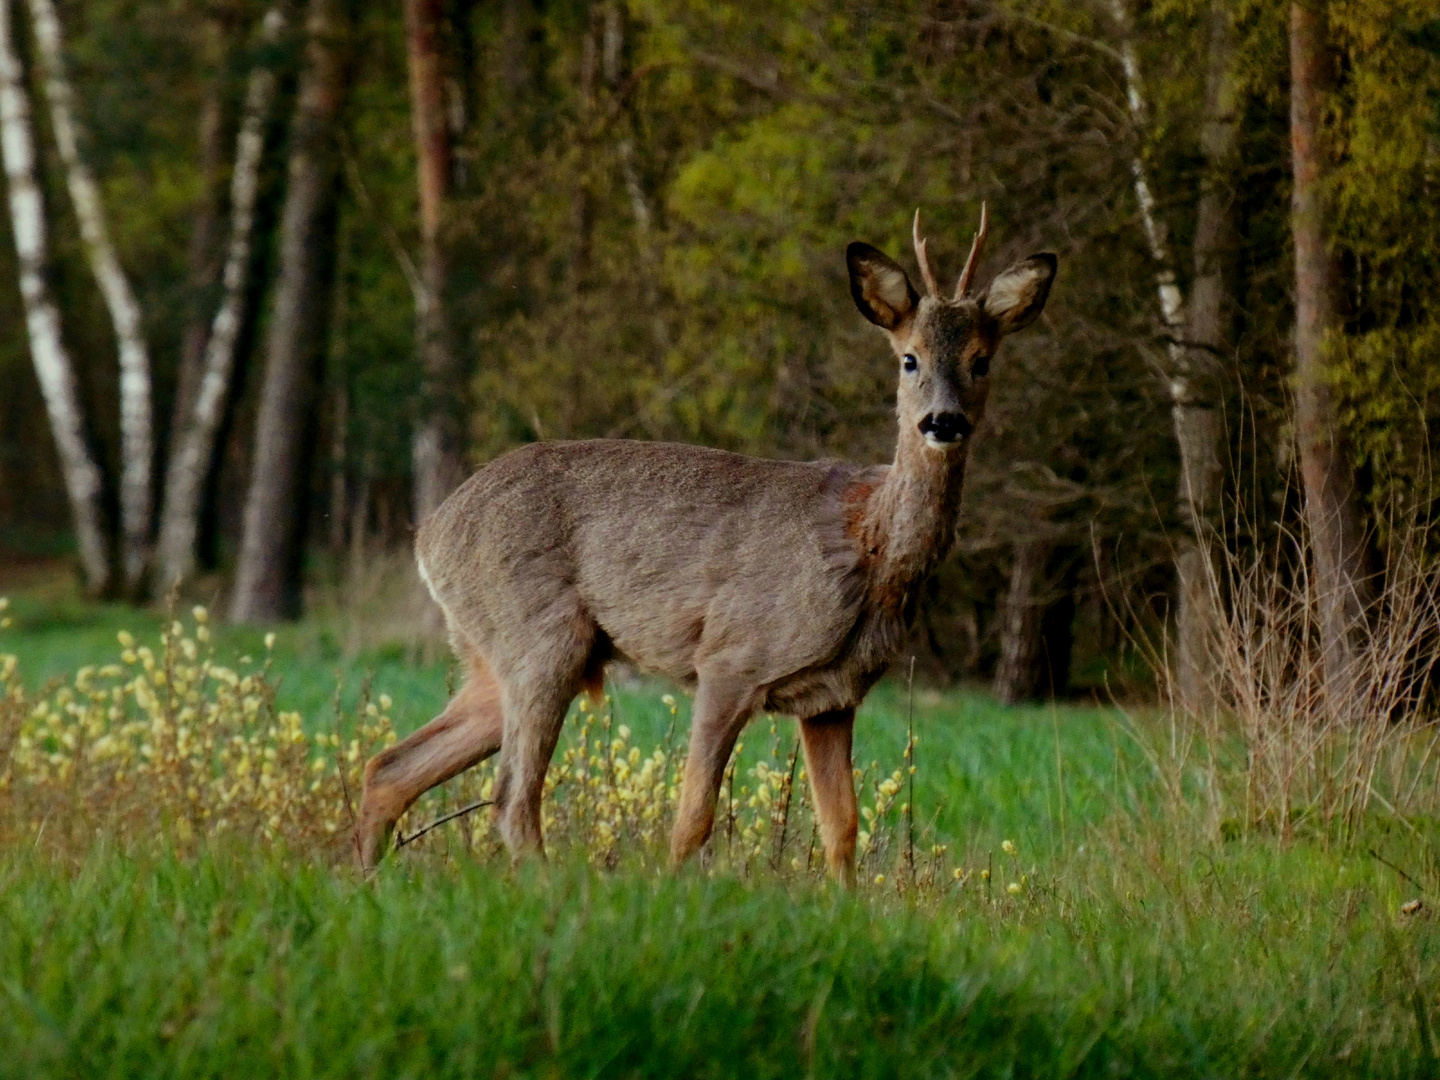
168, 747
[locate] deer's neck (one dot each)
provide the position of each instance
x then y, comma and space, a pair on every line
909, 521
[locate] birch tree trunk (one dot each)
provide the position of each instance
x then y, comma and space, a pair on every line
1196, 413
53, 368
1193, 341
136, 425
438, 449
1336, 541
267, 584
192, 446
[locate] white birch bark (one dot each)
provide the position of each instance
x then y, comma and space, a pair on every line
53, 368
194, 442
1172, 300
136, 446
1194, 419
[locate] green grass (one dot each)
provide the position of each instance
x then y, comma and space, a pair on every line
240, 966
1137, 947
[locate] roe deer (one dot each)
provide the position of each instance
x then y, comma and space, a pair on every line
774, 585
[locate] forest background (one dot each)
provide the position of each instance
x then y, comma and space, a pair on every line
355, 250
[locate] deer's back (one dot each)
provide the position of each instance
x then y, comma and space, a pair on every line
684, 556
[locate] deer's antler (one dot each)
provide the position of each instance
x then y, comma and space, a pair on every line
968, 273
924, 262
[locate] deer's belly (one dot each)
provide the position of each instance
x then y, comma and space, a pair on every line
874, 640
759, 636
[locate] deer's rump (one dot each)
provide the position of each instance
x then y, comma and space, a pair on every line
686, 559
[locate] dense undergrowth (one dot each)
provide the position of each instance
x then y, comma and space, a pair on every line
170, 749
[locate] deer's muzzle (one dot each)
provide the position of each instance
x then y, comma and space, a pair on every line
945, 428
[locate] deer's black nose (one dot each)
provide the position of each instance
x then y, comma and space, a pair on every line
946, 427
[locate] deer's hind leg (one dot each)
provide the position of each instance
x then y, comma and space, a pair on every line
565, 652
465, 734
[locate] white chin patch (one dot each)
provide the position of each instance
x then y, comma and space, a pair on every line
935, 444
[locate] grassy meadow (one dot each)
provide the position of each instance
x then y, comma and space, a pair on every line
1070, 911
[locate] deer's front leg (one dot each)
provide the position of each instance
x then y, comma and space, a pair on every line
722, 706
828, 740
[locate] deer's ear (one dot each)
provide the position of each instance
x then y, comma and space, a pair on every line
1017, 295
881, 289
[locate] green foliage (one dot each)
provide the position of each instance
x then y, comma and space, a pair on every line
1388, 126
654, 249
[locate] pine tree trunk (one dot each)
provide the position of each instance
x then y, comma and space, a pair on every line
136, 426
53, 367
1336, 542
267, 584
438, 450
192, 445
1020, 624
1196, 413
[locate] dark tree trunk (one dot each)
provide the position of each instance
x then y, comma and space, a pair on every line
1020, 623
339, 375
1331, 511
1037, 623
1057, 642
439, 449
1057, 624
204, 256
267, 584
1196, 412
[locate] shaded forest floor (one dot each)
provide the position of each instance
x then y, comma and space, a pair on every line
1088, 926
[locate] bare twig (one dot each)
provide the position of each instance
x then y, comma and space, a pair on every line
402, 841
910, 764
340, 760
1381, 858
785, 810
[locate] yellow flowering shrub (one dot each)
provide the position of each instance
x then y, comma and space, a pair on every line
168, 746
615, 802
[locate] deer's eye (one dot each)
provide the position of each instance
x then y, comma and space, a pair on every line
980, 368
909, 363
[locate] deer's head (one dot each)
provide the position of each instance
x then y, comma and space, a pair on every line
944, 346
